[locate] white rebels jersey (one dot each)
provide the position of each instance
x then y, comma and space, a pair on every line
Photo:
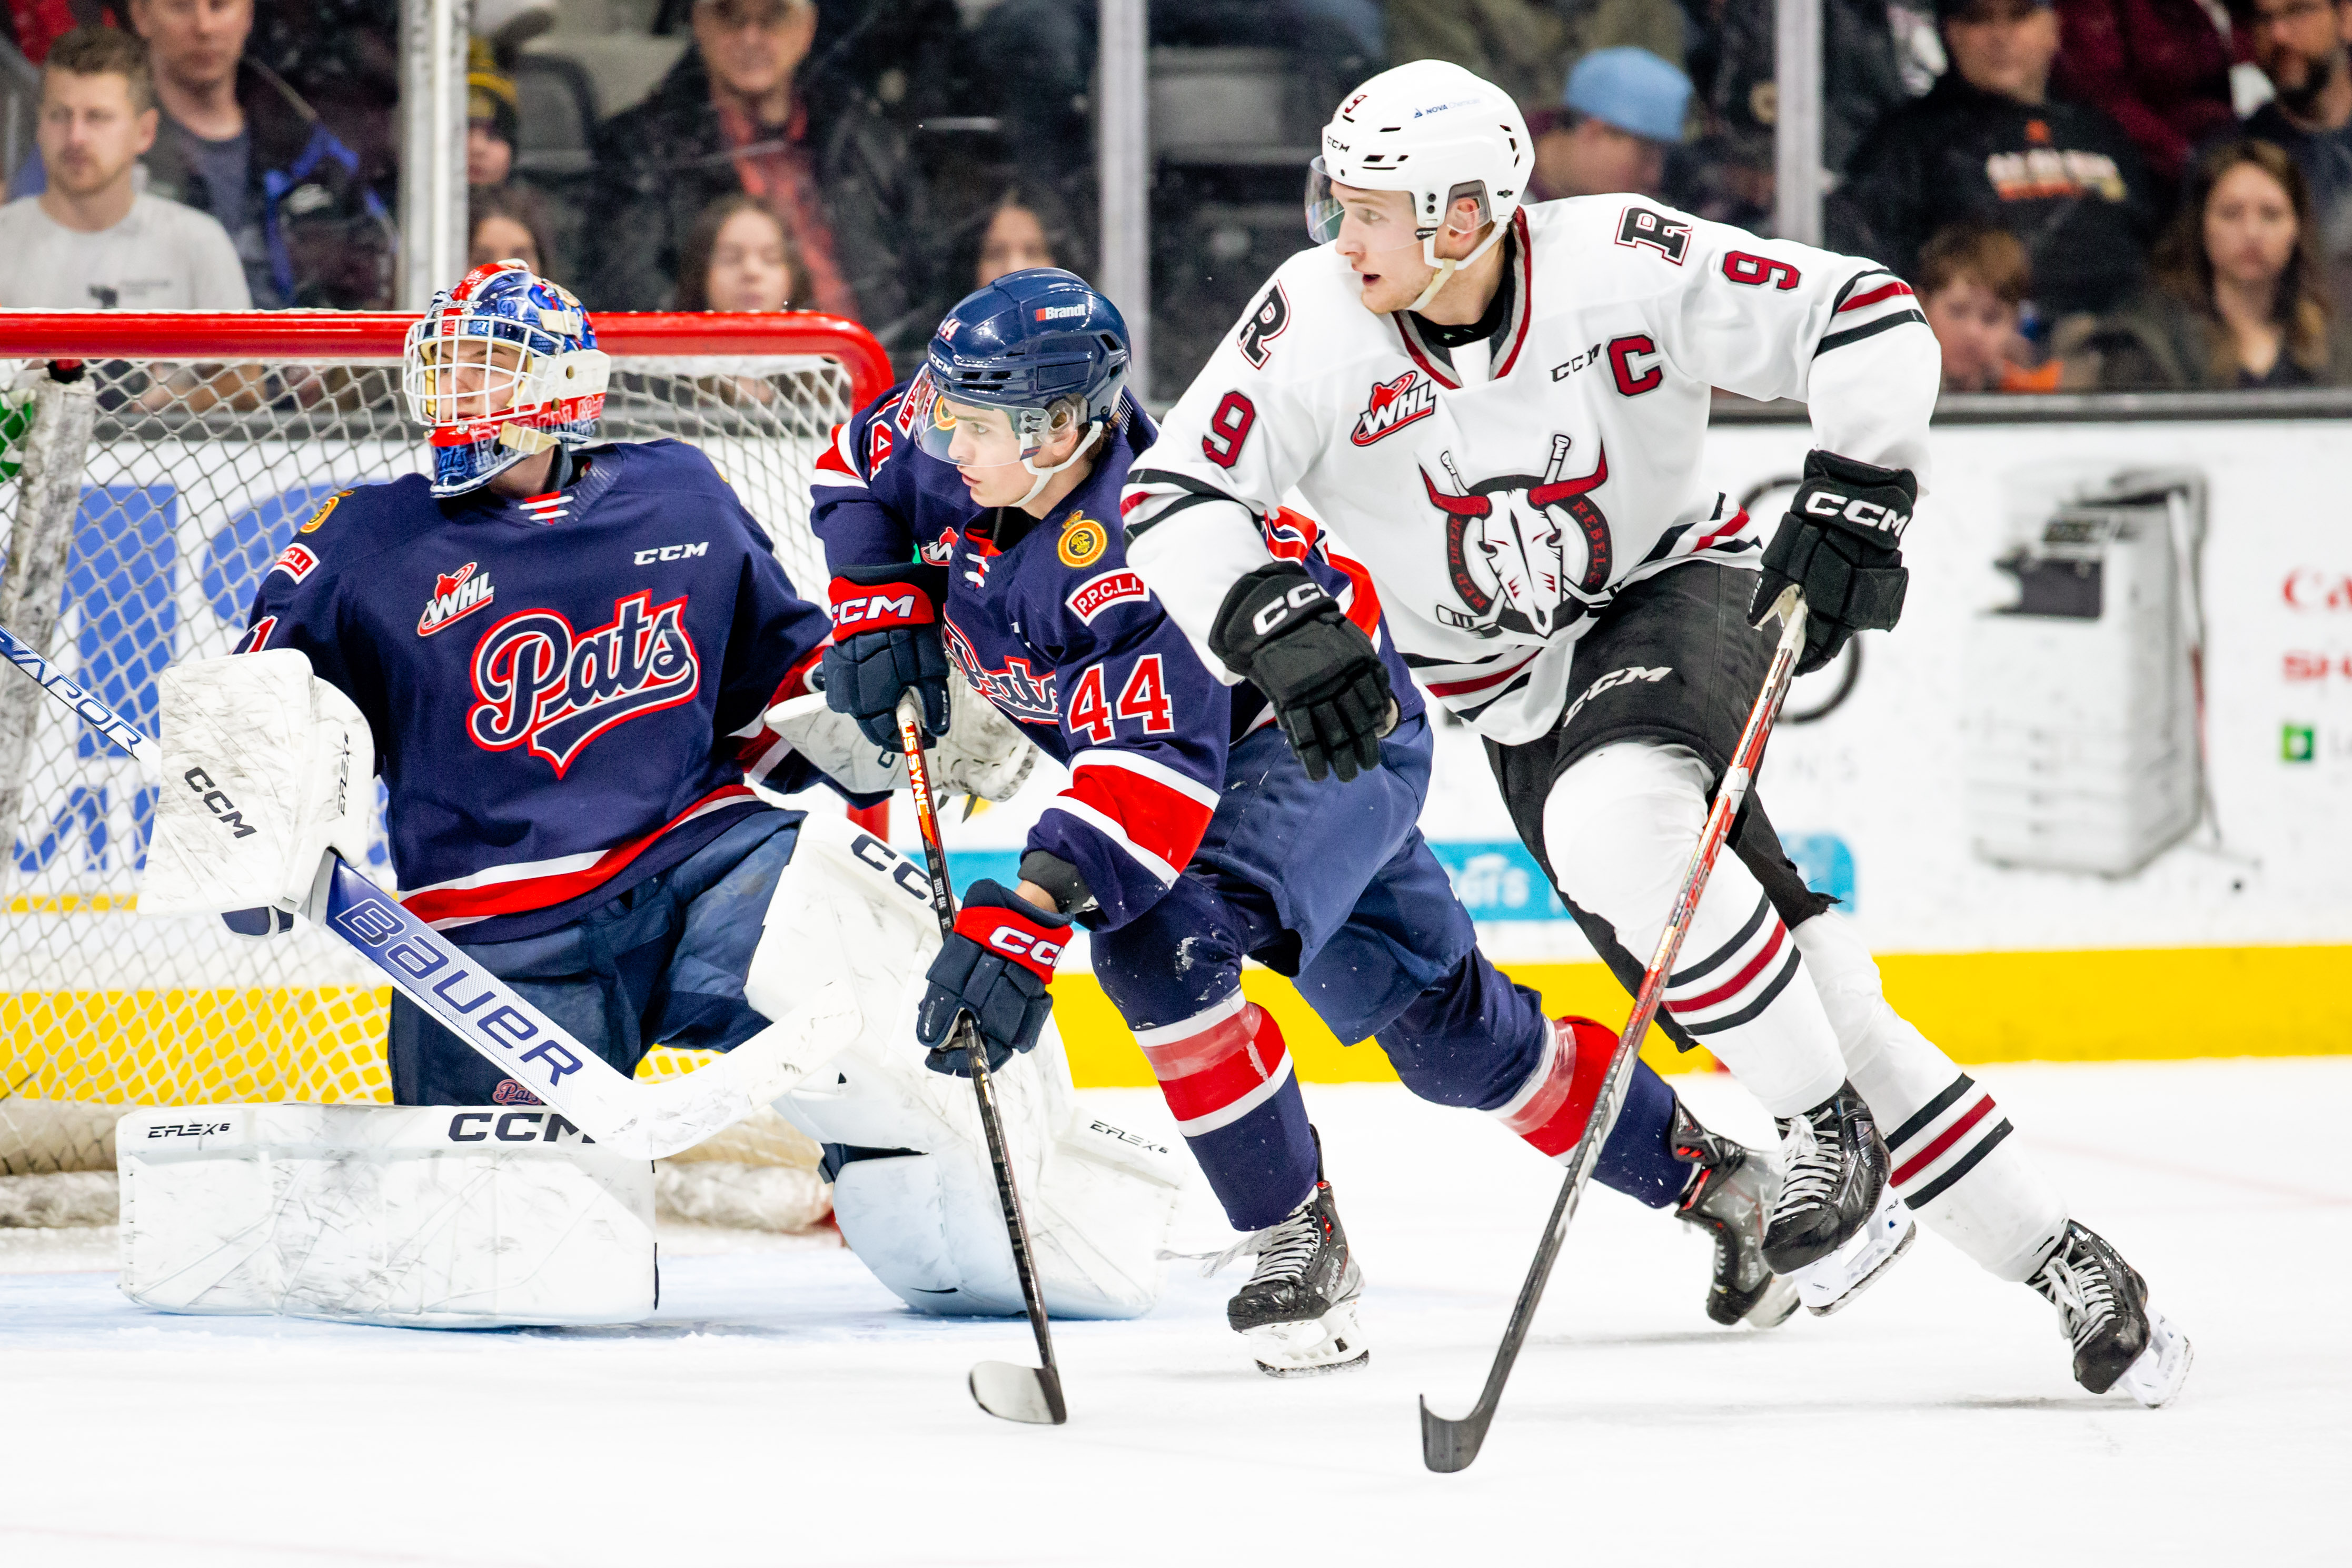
1501, 500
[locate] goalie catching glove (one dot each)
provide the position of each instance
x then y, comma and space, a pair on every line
1279, 629
886, 642
996, 967
1842, 543
983, 752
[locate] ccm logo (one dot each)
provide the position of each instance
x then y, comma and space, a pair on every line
1021, 944
890, 607
512, 1127
1280, 610
219, 804
673, 552
1855, 511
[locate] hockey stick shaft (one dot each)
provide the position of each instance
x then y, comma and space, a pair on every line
1451, 1445
966, 1036
650, 1121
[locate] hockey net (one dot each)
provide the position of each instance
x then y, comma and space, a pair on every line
143, 503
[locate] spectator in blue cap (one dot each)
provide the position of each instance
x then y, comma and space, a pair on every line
1622, 110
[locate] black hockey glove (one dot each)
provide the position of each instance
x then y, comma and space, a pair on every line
886, 639
1841, 542
1280, 630
996, 967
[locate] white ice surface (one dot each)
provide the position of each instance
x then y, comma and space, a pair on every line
783, 1408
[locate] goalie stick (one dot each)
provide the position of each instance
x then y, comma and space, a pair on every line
1447, 1444
647, 1120
1002, 1388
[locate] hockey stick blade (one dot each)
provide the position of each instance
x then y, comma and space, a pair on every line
648, 1121
1032, 1394
1015, 1393
1448, 1445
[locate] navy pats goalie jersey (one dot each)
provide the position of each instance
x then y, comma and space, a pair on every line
566, 691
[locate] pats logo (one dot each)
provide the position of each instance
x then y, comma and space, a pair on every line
297, 560
1395, 405
1504, 548
454, 594
543, 686
1082, 542
1020, 691
1100, 593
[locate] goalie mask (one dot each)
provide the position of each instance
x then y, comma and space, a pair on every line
1014, 364
501, 366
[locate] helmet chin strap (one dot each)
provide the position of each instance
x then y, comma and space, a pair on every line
1448, 265
1039, 477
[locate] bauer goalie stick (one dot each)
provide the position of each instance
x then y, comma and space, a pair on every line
1449, 1445
645, 1120
1003, 1388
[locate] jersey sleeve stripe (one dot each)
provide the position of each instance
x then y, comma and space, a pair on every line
834, 463
1154, 820
1479, 683
1166, 777
1884, 292
1871, 329
1110, 827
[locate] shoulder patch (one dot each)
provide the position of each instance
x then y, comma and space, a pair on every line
320, 516
297, 560
1096, 594
1082, 542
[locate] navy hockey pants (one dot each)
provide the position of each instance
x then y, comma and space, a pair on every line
1332, 884
662, 964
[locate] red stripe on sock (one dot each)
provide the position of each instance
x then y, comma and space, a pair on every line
1944, 1139
1732, 986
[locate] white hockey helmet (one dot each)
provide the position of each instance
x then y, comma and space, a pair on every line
1438, 133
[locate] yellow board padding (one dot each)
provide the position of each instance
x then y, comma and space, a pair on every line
326, 1043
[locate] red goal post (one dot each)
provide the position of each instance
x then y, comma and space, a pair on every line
202, 441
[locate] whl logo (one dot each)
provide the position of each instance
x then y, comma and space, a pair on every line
454, 594
550, 689
1395, 405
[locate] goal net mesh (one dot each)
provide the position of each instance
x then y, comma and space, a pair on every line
195, 474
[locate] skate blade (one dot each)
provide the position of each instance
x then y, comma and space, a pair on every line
1826, 1285
2154, 1379
1330, 1343
1779, 1303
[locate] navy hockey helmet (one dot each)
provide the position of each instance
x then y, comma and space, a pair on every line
1037, 344
502, 366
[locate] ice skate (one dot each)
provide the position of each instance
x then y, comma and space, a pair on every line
1830, 1283
1833, 1170
2102, 1310
1299, 1310
1731, 1191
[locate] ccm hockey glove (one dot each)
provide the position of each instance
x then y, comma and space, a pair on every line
1281, 631
1841, 542
886, 639
996, 967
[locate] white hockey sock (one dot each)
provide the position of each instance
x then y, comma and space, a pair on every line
1620, 827
1954, 1162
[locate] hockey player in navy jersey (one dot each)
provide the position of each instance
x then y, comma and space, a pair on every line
970, 517
566, 651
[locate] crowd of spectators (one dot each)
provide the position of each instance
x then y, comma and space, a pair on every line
2087, 193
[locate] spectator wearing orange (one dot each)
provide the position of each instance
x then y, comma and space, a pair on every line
2238, 300
1991, 142
1973, 283
2159, 68
738, 115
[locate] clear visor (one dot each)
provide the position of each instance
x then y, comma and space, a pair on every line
464, 380
980, 435
1382, 221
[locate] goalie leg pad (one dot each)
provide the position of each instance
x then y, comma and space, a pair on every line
913, 1188
1952, 1157
442, 1217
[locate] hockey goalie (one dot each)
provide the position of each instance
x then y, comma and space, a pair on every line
571, 720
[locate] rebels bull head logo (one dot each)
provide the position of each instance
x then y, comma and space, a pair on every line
1505, 548
547, 688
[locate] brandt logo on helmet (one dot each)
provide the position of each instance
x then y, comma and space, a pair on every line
1059, 312
1395, 405
455, 595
